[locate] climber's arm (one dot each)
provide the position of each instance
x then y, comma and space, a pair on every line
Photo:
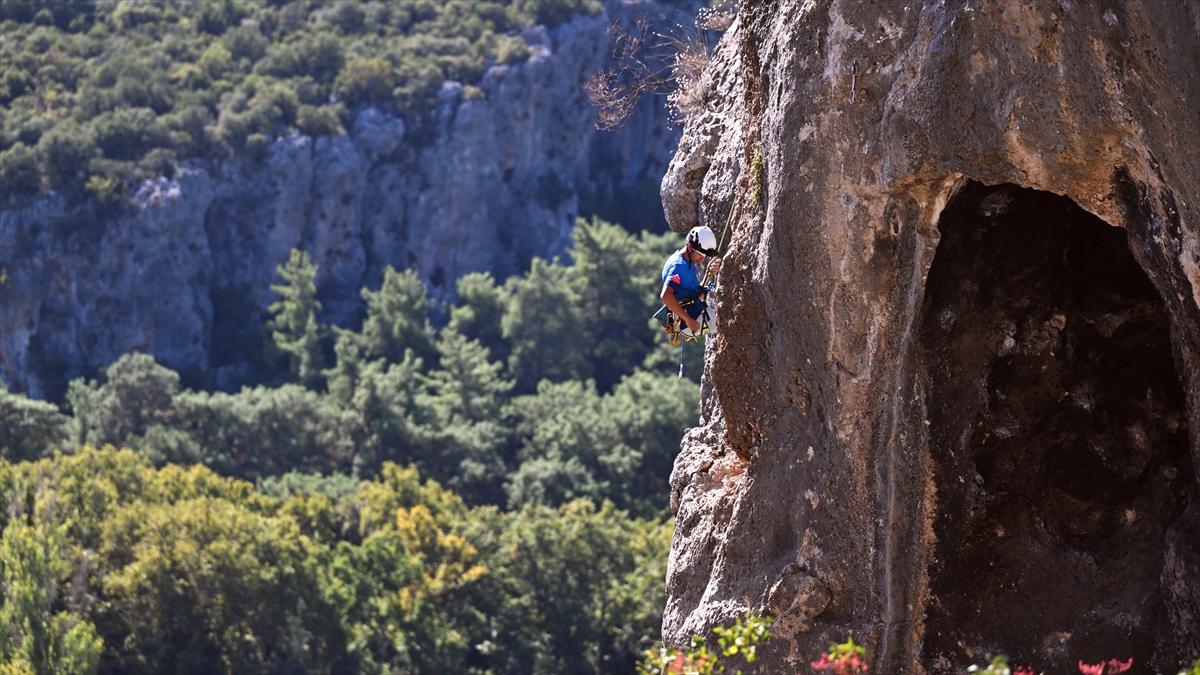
668, 298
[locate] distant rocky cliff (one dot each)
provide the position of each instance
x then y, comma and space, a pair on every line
952, 404
498, 177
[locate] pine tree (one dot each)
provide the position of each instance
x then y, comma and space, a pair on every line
545, 327
468, 386
343, 377
294, 326
397, 318
464, 398
478, 311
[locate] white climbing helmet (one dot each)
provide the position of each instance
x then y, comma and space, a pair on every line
703, 240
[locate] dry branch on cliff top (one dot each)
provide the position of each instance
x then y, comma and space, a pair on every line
650, 62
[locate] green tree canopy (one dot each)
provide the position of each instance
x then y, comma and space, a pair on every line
136, 394
35, 637
478, 312
464, 398
246, 589
562, 434
28, 428
398, 318
559, 580
546, 326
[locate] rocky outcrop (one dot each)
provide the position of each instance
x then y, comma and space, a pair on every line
952, 406
498, 176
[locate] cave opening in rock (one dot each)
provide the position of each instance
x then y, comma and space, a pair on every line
1058, 436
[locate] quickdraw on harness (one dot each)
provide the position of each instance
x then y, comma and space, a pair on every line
673, 325
676, 332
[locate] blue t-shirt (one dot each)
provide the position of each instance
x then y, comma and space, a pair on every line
682, 276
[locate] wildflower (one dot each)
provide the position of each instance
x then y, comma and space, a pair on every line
843, 659
1109, 667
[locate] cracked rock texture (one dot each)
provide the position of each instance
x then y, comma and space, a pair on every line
952, 404
184, 274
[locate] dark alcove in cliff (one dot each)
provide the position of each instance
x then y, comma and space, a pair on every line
1058, 435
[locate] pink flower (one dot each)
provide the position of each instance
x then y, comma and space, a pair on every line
845, 665
1024, 670
1115, 666
1109, 667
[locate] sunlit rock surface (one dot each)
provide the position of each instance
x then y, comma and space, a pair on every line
951, 408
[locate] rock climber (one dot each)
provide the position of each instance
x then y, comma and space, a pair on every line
683, 292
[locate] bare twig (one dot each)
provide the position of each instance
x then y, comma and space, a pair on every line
647, 62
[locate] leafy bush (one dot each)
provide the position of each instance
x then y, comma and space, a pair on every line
128, 133
28, 428
846, 658
511, 50
19, 169
365, 81
106, 189
319, 120
552, 12
64, 151
734, 644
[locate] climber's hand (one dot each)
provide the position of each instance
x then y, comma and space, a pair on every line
693, 325
715, 266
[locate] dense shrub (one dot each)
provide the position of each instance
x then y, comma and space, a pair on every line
365, 81
128, 133
319, 120
64, 152
28, 428
19, 169
553, 12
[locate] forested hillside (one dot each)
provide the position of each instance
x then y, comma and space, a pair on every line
100, 94
110, 564
548, 387
545, 410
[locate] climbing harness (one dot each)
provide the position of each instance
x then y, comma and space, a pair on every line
674, 327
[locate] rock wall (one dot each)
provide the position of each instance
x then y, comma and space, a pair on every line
499, 177
952, 406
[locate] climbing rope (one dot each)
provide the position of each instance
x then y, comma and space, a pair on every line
721, 243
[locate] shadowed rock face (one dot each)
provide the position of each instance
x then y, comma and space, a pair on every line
953, 401
1057, 431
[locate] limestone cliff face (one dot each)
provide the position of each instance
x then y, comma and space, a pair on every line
952, 406
499, 177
